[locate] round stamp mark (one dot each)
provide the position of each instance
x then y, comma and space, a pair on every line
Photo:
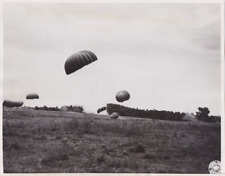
214, 167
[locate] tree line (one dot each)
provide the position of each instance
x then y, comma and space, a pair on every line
202, 114
62, 108
152, 114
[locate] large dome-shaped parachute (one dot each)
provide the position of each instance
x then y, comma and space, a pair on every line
79, 60
32, 96
122, 96
8, 103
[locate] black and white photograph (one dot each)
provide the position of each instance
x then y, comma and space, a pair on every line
112, 87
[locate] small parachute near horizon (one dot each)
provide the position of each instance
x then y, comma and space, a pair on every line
122, 96
189, 117
101, 109
32, 96
78, 60
114, 115
11, 104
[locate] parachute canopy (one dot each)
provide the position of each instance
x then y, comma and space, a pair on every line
189, 117
79, 60
8, 103
122, 96
114, 115
101, 109
32, 96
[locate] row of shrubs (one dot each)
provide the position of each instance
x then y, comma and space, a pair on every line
202, 115
63, 108
211, 118
152, 114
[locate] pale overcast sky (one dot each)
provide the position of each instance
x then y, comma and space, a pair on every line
167, 56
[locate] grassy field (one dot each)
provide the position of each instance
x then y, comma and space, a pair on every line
63, 142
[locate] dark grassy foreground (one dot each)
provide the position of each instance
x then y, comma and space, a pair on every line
60, 142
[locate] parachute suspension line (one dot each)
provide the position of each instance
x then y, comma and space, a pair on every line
30, 109
82, 85
32, 115
97, 83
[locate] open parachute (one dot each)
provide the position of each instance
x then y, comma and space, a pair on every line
101, 109
11, 104
114, 115
32, 96
122, 96
79, 60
